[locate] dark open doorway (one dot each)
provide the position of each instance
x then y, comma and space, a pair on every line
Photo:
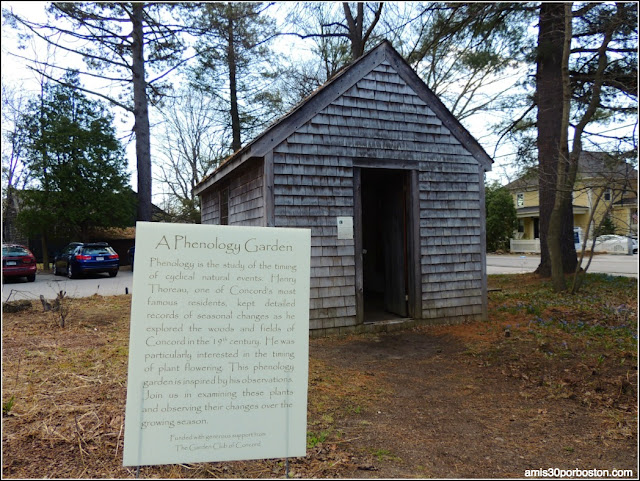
384, 244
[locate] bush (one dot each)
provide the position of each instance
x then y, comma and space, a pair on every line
501, 217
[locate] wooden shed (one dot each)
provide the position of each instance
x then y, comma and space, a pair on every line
391, 186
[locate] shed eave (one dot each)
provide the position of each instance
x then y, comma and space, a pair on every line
223, 170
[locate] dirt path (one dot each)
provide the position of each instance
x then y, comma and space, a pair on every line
447, 414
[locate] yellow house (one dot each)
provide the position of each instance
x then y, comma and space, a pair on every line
604, 186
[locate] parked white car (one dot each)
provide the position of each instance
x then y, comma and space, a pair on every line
616, 244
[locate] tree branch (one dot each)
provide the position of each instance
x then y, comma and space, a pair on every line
97, 94
375, 20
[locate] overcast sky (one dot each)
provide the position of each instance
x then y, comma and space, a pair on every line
15, 73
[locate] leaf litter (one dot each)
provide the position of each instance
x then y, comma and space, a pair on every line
550, 380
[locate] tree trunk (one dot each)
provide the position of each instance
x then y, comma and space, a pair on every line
549, 96
357, 36
141, 113
562, 204
564, 176
236, 142
45, 252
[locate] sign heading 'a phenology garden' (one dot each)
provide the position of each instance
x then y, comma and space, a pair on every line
218, 353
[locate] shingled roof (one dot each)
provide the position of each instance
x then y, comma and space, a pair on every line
332, 89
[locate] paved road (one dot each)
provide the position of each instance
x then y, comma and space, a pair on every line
616, 265
49, 285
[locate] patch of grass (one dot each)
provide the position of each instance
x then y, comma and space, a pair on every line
605, 303
584, 344
8, 406
327, 419
313, 439
385, 455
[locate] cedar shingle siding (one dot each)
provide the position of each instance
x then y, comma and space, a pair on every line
375, 131
246, 202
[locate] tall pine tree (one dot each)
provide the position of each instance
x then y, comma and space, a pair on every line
235, 66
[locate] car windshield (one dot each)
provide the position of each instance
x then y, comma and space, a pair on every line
97, 250
14, 251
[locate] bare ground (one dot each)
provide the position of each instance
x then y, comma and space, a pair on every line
548, 382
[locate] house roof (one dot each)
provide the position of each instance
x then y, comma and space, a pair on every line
330, 91
591, 165
534, 211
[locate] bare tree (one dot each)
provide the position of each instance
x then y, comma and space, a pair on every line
358, 35
192, 143
463, 52
340, 32
14, 173
613, 178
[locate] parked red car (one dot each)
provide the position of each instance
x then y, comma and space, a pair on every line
18, 261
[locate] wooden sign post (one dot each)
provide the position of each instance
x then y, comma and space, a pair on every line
218, 353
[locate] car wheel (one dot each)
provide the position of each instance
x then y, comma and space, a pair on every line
70, 273
31, 278
113, 273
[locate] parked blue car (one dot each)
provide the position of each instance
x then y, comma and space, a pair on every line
79, 258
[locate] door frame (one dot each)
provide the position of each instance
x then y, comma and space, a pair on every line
413, 274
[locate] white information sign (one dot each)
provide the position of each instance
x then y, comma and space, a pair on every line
219, 344
345, 227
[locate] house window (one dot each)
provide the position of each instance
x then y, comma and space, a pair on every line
520, 199
607, 194
224, 206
